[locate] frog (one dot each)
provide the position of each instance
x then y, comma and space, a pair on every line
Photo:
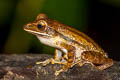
72, 47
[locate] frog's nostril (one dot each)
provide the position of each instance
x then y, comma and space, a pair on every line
27, 25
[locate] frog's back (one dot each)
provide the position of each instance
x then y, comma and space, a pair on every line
84, 40
79, 37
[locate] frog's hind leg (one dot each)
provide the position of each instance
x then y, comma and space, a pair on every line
97, 59
57, 59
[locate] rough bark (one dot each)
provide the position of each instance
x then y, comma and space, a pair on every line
23, 67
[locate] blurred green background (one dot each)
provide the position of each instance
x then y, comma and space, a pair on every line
98, 19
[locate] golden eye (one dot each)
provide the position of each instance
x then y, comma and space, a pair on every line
41, 25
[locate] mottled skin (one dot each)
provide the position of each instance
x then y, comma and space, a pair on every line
72, 47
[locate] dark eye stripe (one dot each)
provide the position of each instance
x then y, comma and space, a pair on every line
39, 26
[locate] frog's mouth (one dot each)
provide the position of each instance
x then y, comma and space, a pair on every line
37, 33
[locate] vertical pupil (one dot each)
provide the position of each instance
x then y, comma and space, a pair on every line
39, 26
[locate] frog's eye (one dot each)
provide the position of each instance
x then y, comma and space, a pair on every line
39, 26
42, 25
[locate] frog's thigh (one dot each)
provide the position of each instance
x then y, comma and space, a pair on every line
97, 59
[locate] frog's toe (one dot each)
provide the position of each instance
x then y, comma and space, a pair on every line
44, 63
58, 72
38, 62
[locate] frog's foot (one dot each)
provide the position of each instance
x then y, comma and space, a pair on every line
52, 61
105, 65
44, 63
65, 68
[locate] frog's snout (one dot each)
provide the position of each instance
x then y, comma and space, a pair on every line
27, 26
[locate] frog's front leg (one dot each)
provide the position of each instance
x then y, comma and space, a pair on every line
57, 59
70, 61
96, 59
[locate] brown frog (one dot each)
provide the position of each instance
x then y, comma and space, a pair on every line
72, 46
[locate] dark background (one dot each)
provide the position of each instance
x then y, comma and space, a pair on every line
104, 26
98, 19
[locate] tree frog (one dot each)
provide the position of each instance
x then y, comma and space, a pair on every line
72, 46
